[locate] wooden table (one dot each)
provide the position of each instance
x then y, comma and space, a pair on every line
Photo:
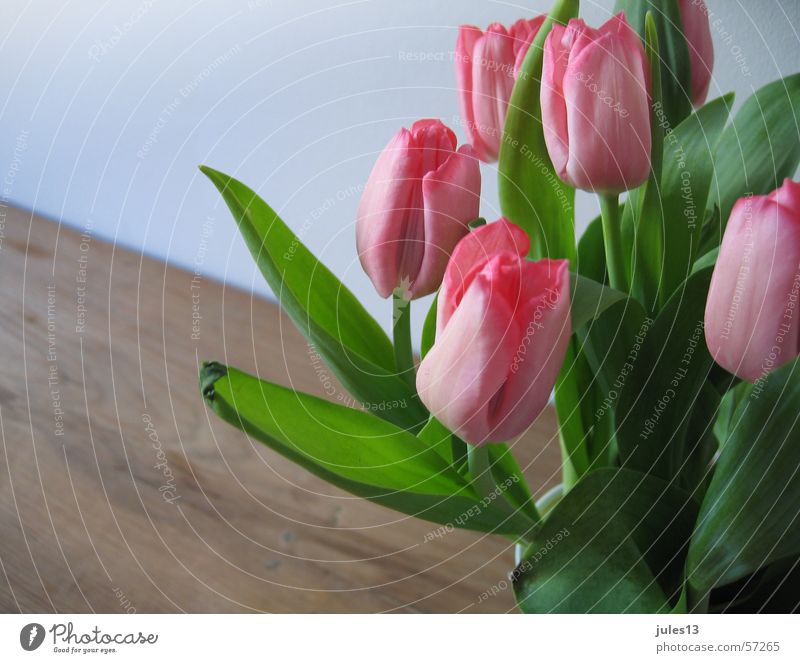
100, 416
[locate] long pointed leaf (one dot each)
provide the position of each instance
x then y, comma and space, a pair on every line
324, 310
687, 171
353, 450
749, 516
531, 193
761, 147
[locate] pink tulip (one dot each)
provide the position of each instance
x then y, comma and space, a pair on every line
486, 68
751, 321
417, 203
694, 16
596, 105
503, 324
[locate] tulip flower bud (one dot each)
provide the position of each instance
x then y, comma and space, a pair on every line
487, 64
503, 324
752, 311
694, 17
416, 205
595, 98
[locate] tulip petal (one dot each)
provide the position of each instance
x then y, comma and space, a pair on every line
608, 114
751, 319
468, 35
554, 107
468, 364
788, 197
451, 196
468, 259
523, 32
696, 28
432, 144
386, 205
492, 82
544, 320
436, 141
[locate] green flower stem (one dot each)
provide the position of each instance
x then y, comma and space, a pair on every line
403, 352
612, 238
572, 432
483, 481
480, 470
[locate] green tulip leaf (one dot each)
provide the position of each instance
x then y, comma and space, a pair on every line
643, 218
591, 261
749, 516
686, 174
611, 345
615, 543
654, 408
588, 299
429, 328
449, 446
700, 443
761, 147
354, 451
510, 479
574, 428
674, 69
772, 590
723, 426
531, 193
335, 323
574, 385
708, 259
511, 483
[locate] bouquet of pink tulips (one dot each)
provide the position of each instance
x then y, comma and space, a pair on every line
668, 332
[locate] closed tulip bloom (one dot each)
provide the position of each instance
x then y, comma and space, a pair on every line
751, 321
595, 98
417, 203
486, 68
694, 17
503, 324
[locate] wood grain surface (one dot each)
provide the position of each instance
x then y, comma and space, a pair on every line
120, 492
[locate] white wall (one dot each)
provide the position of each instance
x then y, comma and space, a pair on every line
107, 108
